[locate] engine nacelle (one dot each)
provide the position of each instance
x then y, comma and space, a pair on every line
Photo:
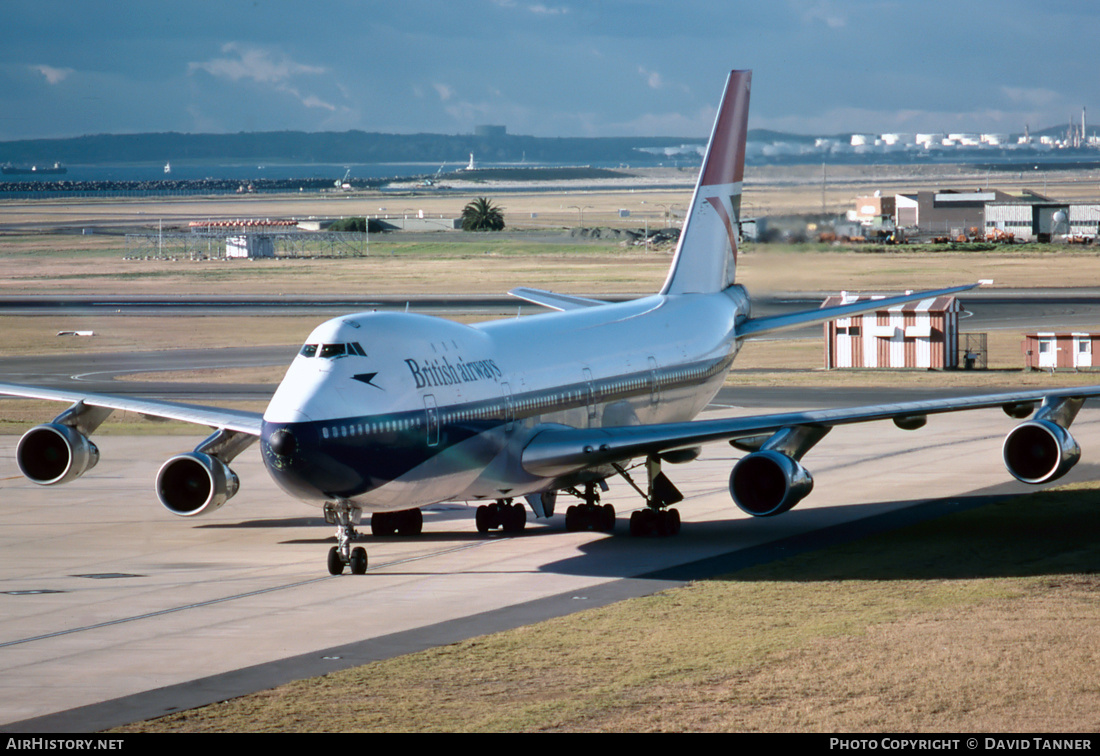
1039, 451
53, 453
767, 483
194, 483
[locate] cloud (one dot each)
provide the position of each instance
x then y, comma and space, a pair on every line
54, 75
313, 101
1034, 97
266, 67
652, 78
853, 120
543, 10
254, 63
445, 92
536, 8
819, 12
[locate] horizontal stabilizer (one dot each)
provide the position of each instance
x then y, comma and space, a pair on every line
759, 326
554, 301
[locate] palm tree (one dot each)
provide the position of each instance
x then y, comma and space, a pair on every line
482, 215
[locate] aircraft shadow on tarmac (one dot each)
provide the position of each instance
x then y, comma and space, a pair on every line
988, 536
1057, 534
462, 519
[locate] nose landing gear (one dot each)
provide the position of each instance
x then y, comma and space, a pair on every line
345, 516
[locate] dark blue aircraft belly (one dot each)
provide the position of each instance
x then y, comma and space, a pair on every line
349, 463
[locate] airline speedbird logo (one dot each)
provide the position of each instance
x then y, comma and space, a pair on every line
727, 205
434, 373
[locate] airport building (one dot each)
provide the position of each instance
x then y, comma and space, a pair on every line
922, 334
1043, 219
1054, 351
948, 212
952, 213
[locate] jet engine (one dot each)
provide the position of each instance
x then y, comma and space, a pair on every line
767, 483
53, 453
195, 483
1039, 451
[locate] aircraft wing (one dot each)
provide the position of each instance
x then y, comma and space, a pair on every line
235, 420
552, 300
561, 450
759, 326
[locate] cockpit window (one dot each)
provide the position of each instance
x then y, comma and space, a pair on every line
332, 351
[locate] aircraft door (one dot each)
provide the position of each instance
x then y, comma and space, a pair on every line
590, 392
654, 386
509, 406
432, 419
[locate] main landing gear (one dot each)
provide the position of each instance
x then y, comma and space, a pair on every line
345, 516
590, 515
655, 522
509, 517
658, 518
408, 522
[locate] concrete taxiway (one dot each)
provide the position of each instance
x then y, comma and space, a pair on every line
105, 597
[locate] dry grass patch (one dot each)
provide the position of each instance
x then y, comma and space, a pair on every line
37, 334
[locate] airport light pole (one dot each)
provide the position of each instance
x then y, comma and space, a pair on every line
580, 209
668, 213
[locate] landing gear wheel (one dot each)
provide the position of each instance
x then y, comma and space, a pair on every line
358, 561
482, 519
407, 522
411, 522
335, 562
651, 522
515, 518
509, 517
673, 516
381, 524
590, 517
345, 516
642, 522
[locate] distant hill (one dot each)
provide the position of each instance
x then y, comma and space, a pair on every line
331, 147
360, 147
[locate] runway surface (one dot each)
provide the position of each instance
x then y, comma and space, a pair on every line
108, 598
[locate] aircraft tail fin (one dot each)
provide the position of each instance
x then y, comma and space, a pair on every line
706, 257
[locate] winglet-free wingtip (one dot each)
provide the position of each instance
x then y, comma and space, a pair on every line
755, 327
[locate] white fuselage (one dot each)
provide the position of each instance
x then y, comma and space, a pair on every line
393, 411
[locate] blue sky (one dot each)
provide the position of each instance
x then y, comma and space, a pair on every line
546, 67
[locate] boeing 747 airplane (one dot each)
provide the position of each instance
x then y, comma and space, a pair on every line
385, 413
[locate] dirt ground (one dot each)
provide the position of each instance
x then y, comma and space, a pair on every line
768, 190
